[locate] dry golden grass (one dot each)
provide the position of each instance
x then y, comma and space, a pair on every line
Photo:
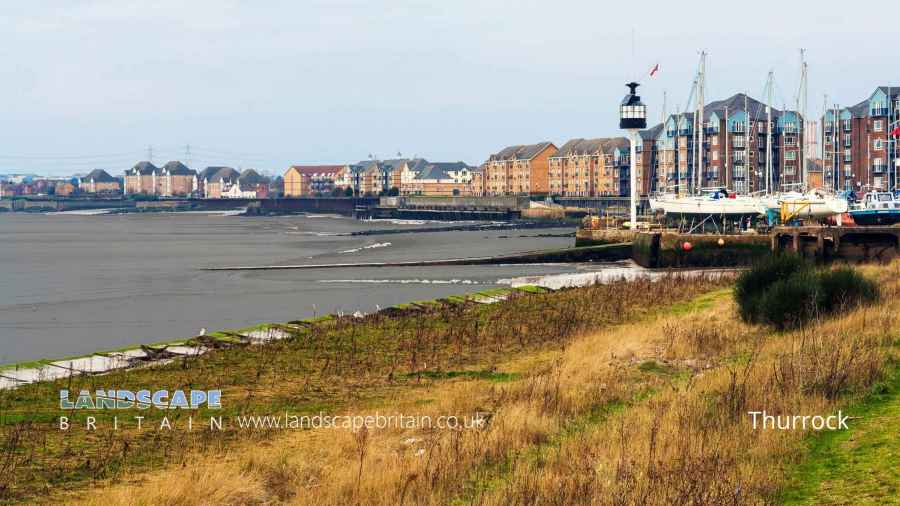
653, 412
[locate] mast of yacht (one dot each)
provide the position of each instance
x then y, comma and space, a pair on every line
824, 112
769, 134
748, 168
726, 148
700, 99
802, 106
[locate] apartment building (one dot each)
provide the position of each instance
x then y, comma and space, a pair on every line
860, 143
307, 180
249, 185
519, 170
734, 150
171, 180
141, 179
591, 168
439, 178
217, 180
98, 181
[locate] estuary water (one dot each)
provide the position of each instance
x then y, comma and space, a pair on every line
76, 283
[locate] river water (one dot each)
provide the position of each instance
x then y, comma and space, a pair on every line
73, 283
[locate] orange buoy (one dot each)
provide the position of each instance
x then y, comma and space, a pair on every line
721, 242
687, 246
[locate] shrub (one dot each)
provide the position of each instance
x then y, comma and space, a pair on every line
789, 301
753, 283
785, 291
845, 288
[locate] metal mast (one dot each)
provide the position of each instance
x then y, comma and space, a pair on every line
700, 99
802, 107
749, 170
769, 133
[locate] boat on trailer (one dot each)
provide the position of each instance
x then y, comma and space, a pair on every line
877, 208
814, 204
710, 202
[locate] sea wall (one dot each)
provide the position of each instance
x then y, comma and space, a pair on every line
596, 237
667, 249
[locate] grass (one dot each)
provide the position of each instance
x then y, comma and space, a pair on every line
329, 365
858, 465
594, 397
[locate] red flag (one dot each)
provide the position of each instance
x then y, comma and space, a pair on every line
654, 70
895, 132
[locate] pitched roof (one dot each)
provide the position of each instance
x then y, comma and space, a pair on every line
739, 102
225, 173
144, 168
441, 170
365, 165
577, 147
250, 179
652, 133
176, 168
311, 170
610, 145
521, 151
416, 164
99, 176
394, 164
208, 172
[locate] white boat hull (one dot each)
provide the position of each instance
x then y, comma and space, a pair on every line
740, 206
810, 206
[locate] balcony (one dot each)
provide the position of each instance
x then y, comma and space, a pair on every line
878, 111
879, 169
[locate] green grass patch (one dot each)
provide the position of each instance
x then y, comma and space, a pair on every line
488, 375
855, 466
699, 303
652, 366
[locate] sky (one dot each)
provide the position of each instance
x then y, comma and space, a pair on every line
267, 84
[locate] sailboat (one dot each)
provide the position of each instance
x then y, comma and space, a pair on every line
713, 201
811, 203
710, 201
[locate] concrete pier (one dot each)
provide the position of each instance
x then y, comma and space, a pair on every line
846, 243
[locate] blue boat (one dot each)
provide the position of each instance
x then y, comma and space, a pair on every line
878, 208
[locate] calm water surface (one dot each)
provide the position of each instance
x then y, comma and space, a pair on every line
72, 284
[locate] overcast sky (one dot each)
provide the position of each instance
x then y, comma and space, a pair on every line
91, 84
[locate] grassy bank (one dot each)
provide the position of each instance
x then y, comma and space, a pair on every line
330, 365
631, 393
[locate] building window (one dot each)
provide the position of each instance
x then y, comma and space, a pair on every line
878, 125
790, 155
846, 141
848, 170
789, 170
847, 125
847, 155
714, 140
878, 144
715, 155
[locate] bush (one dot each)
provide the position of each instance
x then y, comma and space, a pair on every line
844, 288
785, 291
790, 301
753, 283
